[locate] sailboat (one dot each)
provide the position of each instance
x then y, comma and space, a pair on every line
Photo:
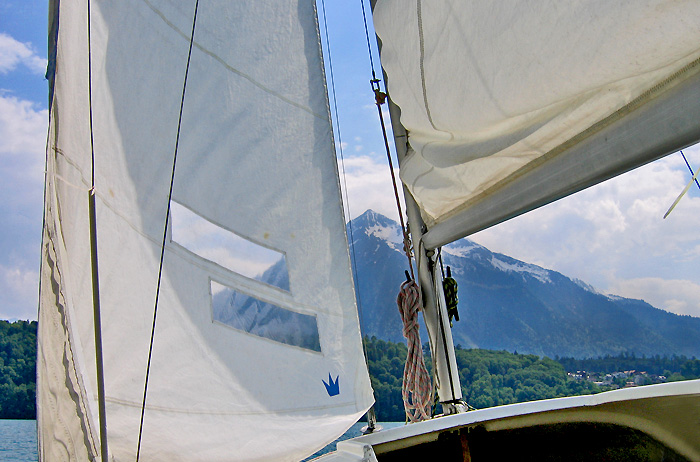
182, 130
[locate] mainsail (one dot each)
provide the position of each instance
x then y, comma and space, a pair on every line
255, 163
511, 105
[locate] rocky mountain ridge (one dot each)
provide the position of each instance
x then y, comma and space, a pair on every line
507, 304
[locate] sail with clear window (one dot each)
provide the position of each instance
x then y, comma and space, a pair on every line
257, 351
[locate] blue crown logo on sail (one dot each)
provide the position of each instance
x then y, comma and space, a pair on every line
332, 387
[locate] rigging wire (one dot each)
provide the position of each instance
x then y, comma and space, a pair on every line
416, 389
369, 47
380, 98
687, 187
690, 168
165, 231
370, 414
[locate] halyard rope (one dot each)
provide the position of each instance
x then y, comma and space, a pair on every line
417, 389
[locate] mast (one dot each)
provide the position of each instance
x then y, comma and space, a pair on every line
430, 281
434, 309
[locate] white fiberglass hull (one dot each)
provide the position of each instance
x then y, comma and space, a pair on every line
669, 414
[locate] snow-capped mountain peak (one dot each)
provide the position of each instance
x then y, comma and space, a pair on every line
516, 266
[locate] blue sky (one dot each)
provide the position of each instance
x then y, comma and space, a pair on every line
611, 236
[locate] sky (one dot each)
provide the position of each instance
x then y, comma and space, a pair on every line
611, 236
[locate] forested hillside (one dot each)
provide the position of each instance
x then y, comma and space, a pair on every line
17, 369
493, 378
489, 378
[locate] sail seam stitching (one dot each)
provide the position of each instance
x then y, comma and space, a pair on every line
231, 68
203, 412
652, 92
421, 62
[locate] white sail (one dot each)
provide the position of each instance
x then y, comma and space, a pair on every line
255, 164
511, 105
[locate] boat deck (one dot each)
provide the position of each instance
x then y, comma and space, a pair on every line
655, 422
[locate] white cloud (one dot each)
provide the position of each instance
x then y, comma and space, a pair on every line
614, 233
22, 127
18, 293
369, 186
22, 148
677, 296
219, 245
385, 114
13, 53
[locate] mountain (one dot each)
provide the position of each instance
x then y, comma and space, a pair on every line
507, 304
249, 314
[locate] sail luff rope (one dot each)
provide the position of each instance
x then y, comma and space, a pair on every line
165, 231
92, 214
342, 159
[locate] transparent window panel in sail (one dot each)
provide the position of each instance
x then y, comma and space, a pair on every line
257, 317
227, 249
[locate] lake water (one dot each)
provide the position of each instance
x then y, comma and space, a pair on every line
18, 439
354, 431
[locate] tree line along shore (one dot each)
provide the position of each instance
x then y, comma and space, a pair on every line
489, 378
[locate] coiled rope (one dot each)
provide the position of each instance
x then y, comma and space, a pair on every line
416, 390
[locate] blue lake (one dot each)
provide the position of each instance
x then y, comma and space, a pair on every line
354, 431
18, 439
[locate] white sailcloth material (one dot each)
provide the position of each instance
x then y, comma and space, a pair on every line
255, 159
510, 105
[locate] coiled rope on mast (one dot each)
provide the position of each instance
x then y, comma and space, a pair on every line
417, 388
